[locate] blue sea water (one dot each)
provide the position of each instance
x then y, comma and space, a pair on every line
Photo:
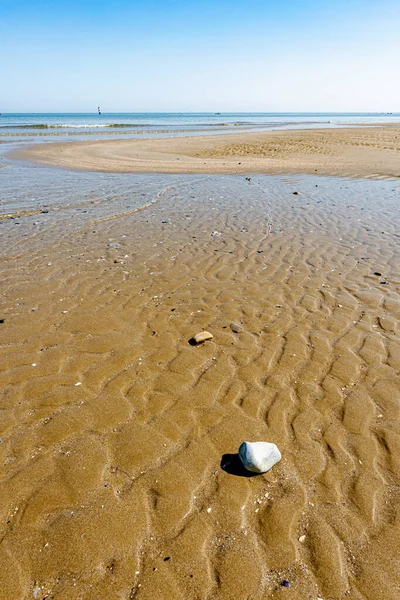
51, 124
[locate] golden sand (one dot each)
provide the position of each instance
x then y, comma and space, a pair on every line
114, 427
354, 151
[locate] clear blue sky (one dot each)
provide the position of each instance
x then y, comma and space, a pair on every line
183, 55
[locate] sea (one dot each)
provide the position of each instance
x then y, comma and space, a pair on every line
47, 125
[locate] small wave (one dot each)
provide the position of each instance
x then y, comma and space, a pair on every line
200, 126
73, 126
127, 125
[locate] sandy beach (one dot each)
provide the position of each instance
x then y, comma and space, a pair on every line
199, 300
361, 151
118, 445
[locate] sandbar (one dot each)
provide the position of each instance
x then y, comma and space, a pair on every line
355, 152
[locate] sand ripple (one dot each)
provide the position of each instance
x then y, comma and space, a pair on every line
113, 427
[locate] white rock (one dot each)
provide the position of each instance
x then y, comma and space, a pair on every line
259, 457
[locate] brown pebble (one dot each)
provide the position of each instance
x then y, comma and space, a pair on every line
236, 328
202, 337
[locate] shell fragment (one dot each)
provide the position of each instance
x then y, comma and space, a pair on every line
203, 336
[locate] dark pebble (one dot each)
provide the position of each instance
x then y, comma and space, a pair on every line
285, 583
167, 558
295, 193
384, 283
1, 320
378, 274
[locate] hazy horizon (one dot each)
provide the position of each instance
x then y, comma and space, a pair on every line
189, 112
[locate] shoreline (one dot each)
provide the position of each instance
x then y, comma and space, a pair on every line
356, 152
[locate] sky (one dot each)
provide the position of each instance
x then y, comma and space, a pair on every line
192, 56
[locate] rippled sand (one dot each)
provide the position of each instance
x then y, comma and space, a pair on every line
362, 151
113, 427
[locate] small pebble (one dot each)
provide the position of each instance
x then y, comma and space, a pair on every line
236, 328
203, 336
302, 539
77, 383
285, 583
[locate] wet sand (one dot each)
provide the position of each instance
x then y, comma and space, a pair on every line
361, 151
116, 432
